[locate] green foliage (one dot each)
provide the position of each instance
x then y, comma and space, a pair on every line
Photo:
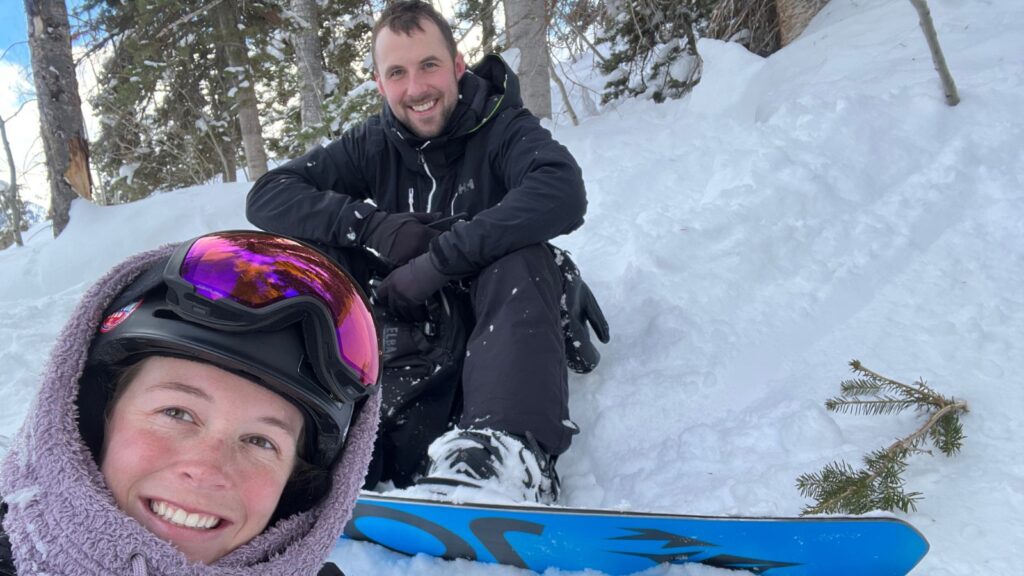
479, 16
344, 31
654, 47
353, 107
166, 104
167, 108
879, 485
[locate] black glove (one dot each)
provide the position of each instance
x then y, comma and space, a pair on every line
582, 309
398, 238
579, 309
406, 290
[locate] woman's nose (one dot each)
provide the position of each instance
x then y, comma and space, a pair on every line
207, 465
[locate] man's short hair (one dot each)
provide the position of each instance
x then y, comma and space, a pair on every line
404, 16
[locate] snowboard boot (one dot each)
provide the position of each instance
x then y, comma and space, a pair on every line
487, 465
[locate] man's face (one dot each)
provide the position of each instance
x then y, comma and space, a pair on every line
418, 77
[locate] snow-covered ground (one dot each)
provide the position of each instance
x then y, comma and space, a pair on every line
793, 213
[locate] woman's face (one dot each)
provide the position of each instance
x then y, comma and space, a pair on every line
198, 455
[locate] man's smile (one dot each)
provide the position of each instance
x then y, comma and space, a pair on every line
424, 106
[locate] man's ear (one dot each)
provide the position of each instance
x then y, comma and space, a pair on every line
460, 65
380, 87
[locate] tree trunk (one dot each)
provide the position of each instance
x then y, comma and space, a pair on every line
60, 108
928, 27
527, 25
307, 58
488, 33
241, 79
794, 16
227, 140
9, 198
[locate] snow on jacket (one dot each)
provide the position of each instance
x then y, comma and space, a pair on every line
62, 519
493, 161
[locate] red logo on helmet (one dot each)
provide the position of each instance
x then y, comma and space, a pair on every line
115, 319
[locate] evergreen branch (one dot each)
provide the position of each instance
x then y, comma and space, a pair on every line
883, 405
205, 7
948, 435
98, 46
879, 485
841, 489
912, 441
882, 380
919, 391
579, 33
859, 387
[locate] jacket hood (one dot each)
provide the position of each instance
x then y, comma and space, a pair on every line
62, 519
485, 90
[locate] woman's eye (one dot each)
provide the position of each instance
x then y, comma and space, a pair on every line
261, 442
178, 414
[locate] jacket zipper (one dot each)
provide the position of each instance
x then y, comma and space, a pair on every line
426, 168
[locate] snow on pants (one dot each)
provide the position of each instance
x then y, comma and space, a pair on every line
515, 377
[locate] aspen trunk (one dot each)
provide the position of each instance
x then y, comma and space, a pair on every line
241, 80
527, 24
938, 59
307, 56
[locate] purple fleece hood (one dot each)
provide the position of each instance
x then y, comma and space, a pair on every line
62, 519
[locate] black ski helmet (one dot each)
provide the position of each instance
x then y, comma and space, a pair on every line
142, 321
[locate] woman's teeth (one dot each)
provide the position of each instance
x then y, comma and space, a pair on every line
179, 517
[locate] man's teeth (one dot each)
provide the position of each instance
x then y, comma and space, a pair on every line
425, 106
178, 516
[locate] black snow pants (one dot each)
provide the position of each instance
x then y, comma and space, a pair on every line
514, 375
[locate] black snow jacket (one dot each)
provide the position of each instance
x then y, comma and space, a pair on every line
493, 161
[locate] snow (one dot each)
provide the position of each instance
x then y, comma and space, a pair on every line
746, 242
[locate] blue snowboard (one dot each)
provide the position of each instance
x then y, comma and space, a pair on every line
540, 537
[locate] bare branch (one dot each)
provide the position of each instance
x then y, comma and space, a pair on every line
18, 111
583, 37
8, 49
189, 16
99, 46
928, 27
564, 93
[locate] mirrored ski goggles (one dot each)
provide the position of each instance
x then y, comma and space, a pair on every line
251, 280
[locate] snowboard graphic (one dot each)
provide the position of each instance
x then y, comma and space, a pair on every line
619, 543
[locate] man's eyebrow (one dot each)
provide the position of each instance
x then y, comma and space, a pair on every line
430, 58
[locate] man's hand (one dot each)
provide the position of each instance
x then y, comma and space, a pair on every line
406, 290
398, 238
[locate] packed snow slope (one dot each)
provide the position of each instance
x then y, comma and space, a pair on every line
746, 242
